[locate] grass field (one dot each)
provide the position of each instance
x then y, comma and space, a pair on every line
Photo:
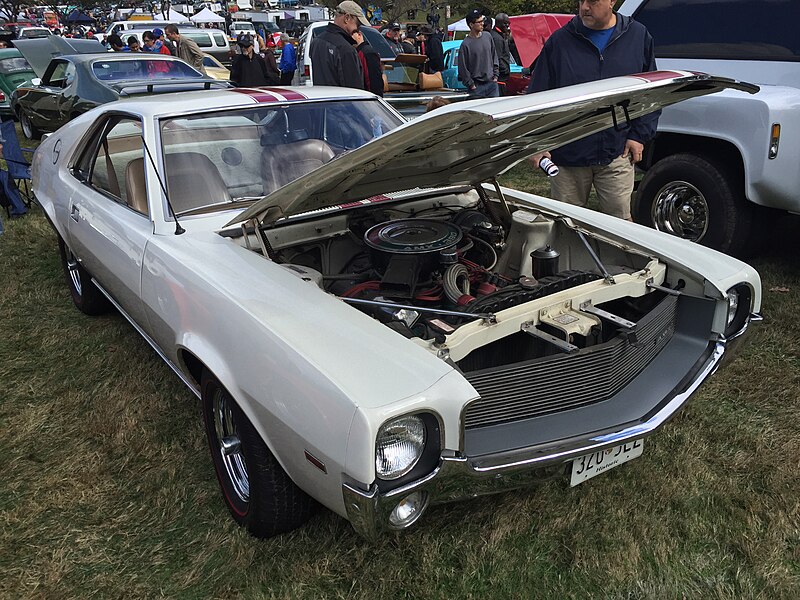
107, 488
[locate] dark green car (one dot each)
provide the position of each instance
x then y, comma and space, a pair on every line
14, 72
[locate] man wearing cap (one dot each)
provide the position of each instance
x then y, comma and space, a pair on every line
430, 44
334, 58
597, 44
392, 35
186, 49
477, 60
500, 35
248, 69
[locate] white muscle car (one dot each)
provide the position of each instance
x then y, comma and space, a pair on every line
370, 321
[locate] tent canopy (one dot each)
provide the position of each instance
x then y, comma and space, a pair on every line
173, 17
458, 26
207, 16
79, 17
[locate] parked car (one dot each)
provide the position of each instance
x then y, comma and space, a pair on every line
370, 321
216, 69
450, 74
210, 41
721, 167
70, 85
30, 33
14, 72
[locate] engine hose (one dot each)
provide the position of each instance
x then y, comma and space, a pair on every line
488, 246
491, 208
456, 282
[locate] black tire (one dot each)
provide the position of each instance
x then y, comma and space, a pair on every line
85, 294
29, 130
259, 494
695, 198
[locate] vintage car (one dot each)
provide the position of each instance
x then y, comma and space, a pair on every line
71, 84
14, 72
371, 322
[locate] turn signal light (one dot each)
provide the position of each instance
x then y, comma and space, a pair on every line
2, 97
774, 140
307, 71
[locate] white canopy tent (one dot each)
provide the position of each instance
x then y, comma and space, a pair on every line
458, 26
173, 17
207, 16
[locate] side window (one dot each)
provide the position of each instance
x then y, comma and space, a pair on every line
723, 29
116, 163
219, 40
56, 74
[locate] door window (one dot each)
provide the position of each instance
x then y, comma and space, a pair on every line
59, 74
114, 165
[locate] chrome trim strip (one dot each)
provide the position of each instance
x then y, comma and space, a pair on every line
189, 383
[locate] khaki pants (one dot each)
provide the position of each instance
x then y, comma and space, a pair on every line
612, 182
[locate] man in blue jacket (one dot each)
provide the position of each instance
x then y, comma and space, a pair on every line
597, 44
288, 64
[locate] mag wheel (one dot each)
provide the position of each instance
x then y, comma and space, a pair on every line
258, 492
85, 294
697, 199
28, 129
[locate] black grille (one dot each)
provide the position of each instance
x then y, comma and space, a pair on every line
557, 383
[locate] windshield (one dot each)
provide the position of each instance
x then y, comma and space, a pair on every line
142, 69
14, 65
216, 158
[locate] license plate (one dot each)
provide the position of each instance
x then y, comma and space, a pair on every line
587, 466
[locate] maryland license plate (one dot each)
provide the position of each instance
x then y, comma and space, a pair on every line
587, 466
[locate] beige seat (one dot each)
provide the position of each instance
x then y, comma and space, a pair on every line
135, 189
283, 163
194, 181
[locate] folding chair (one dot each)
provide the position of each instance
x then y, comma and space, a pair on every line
19, 167
9, 196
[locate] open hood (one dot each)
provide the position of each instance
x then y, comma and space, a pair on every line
473, 141
39, 52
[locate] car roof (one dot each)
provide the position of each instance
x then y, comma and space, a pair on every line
200, 101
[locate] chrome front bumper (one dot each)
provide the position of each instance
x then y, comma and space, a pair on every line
459, 477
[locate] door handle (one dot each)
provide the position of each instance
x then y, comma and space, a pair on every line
74, 213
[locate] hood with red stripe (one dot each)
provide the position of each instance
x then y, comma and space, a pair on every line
473, 141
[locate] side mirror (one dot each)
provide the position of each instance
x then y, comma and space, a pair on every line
36, 81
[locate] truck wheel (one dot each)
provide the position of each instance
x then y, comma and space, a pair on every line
258, 492
85, 294
696, 199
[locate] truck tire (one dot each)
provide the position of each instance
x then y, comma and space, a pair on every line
695, 198
259, 494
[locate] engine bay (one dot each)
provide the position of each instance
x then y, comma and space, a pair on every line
440, 269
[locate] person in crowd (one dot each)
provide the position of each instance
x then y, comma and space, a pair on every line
186, 49
370, 64
288, 63
408, 41
159, 33
500, 36
392, 35
597, 43
268, 54
430, 44
436, 102
248, 69
477, 60
115, 43
153, 44
133, 44
334, 58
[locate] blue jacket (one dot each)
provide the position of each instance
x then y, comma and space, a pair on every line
569, 58
288, 61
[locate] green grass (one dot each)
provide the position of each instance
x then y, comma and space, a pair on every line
107, 488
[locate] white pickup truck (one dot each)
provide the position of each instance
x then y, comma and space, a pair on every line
718, 162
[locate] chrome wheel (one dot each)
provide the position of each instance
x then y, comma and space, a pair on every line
230, 446
681, 209
73, 272
27, 126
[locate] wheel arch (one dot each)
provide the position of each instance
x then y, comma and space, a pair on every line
717, 150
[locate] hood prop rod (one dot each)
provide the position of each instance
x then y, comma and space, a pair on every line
488, 317
606, 275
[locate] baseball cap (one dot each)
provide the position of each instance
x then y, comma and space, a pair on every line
245, 40
394, 26
158, 32
348, 7
474, 15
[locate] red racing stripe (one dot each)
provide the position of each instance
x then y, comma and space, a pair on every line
259, 95
290, 95
658, 75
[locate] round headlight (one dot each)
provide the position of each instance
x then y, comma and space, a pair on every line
733, 305
399, 446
